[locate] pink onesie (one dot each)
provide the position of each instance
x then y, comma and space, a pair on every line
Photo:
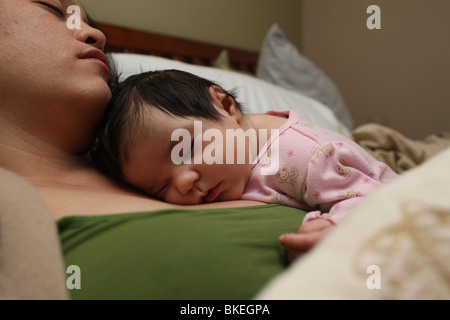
318, 170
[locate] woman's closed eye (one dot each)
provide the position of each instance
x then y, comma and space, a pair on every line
53, 8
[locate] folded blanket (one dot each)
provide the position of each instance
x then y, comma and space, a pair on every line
396, 150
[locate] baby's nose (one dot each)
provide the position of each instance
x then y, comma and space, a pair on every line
185, 181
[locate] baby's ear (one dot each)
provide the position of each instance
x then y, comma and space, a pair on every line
224, 102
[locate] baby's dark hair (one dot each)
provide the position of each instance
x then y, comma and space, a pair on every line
174, 92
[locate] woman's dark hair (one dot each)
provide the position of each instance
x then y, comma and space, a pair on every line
174, 92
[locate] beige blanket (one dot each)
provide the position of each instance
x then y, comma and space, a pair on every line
394, 245
31, 264
396, 150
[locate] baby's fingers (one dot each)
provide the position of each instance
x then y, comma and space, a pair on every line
300, 241
315, 225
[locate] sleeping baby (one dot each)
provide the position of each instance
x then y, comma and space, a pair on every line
186, 140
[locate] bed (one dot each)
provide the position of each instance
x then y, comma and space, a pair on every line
395, 244
126, 40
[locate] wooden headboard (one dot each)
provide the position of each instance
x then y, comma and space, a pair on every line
122, 39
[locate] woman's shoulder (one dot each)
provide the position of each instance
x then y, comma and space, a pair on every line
102, 196
65, 201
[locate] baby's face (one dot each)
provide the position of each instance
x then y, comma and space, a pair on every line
188, 161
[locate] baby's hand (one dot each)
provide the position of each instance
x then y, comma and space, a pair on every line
308, 235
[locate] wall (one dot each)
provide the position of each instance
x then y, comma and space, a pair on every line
238, 23
399, 75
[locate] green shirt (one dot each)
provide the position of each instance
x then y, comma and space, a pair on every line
178, 254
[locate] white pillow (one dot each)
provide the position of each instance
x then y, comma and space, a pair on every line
256, 95
281, 63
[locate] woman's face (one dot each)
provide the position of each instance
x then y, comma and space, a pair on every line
47, 64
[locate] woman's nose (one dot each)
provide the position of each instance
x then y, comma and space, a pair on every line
185, 180
91, 35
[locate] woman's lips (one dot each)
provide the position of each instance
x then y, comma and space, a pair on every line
98, 56
212, 194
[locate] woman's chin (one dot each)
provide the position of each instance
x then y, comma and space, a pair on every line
94, 92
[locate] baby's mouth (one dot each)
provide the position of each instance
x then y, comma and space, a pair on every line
212, 194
